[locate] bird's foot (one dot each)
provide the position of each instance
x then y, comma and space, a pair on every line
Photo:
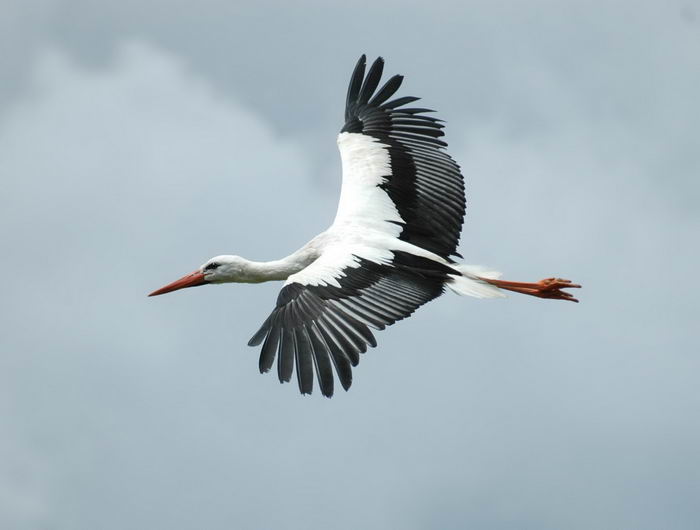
547, 288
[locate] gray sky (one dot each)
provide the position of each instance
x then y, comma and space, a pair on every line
138, 141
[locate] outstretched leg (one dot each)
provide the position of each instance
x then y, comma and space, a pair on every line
548, 288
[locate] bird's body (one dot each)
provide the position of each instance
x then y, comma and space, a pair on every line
390, 249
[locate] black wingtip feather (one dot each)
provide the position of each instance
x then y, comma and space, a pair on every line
304, 362
358, 74
341, 361
269, 350
285, 362
398, 102
371, 81
261, 334
322, 361
388, 90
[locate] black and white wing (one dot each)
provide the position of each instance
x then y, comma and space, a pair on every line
324, 313
396, 174
398, 185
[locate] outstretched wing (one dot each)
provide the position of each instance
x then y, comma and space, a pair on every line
396, 175
324, 313
398, 182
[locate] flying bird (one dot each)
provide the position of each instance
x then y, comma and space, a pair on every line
391, 248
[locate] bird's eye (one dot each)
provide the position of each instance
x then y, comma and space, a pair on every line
211, 266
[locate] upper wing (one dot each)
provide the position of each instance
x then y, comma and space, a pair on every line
396, 176
324, 313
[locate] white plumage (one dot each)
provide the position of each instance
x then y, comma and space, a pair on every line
363, 204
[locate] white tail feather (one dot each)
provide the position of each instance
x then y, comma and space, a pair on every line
470, 284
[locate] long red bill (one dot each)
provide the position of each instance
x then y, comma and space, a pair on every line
190, 280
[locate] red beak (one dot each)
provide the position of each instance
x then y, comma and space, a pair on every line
190, 280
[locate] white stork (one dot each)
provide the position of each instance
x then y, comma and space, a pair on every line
389, 250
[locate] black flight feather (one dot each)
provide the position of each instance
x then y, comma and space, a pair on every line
358, 75
371, 81
388, 90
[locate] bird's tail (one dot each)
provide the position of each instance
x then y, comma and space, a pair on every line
471, 281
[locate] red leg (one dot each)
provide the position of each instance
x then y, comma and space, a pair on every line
548, 288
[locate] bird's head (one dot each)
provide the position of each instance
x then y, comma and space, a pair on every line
220, 269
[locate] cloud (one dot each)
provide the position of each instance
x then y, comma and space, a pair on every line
119, 179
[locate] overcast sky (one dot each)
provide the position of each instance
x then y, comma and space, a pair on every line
137, 141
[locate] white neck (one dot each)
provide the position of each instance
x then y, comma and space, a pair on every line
241, 270
267, 271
